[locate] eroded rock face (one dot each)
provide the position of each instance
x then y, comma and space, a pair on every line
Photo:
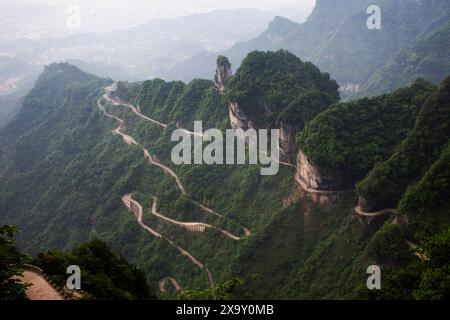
288, 145
223, 75
251, 114
372, 204
318, 178
255, 114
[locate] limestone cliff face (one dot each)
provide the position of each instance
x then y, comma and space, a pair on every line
223, 74
317, 178
367, 205
251, 114
373, 204
288, 145
255, 114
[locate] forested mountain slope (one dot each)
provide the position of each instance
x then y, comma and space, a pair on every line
410, 44
81, 161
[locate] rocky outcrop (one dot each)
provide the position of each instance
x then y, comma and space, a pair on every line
251, 114
288, 145
373, 204
223, 74
254, 114
317, 178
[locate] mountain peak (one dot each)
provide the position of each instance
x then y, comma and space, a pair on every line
63, 71
281, 25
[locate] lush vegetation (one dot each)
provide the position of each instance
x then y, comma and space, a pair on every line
421, 280
11, 265
386, 183
427, 58
104, 275
176, 102
291, 90
63, 173
222, 291
223, 61
63, 179
351, 137
412, 43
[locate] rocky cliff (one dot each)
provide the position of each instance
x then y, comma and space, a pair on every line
223, 74
314, 177
254, 114
250, 114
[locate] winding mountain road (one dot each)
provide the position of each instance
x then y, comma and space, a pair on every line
306, 188
136, 207
117, 101
152, 159
194, 225
175, 284
360, 212
39, 288
410, 244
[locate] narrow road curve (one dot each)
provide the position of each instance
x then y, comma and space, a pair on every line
175, 284
40, 289
152, 159
167, 170
118, 101
360, 212
306, 188
190, 225
136, 208
410, 244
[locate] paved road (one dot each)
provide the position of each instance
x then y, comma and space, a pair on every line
188, 225
360, 212
138, 213
40, 289
175, 284
136, 208
306, 188
154, 161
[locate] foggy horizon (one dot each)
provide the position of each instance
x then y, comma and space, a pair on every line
106, 15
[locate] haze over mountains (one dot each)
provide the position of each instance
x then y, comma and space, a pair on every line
133, 53
364, 177
335, 37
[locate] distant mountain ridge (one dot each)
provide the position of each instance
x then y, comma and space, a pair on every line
335, 38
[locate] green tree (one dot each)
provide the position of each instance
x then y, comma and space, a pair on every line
11, 263
223, 291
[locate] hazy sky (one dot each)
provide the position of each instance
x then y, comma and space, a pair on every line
47, 18
171, 8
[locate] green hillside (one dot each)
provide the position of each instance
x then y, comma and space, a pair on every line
63, 176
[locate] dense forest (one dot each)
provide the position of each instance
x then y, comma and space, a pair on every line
292, 91
63, 174
105, 276
412, 43
351, 137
